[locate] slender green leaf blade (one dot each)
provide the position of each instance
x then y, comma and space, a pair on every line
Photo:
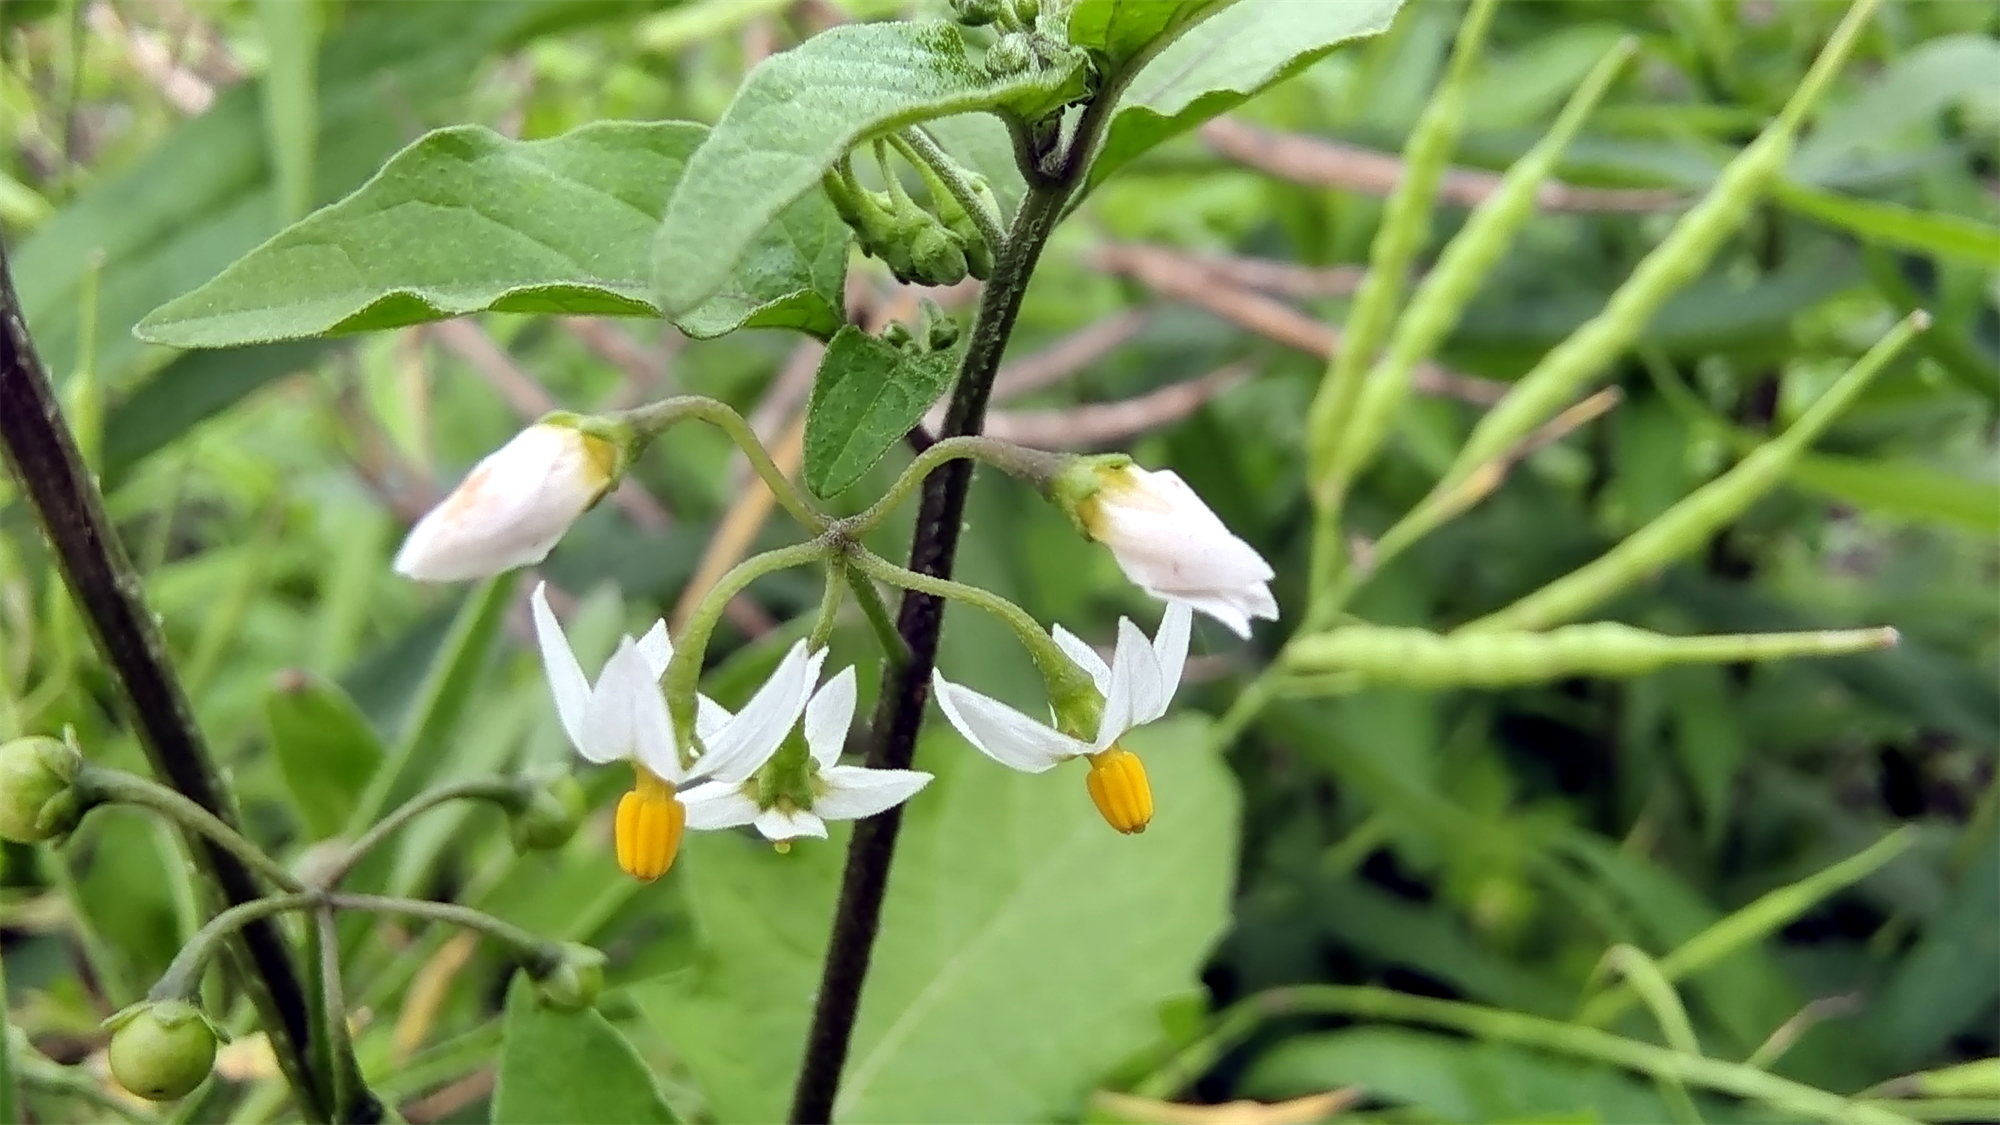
1891, 224
571, 1067
290, 94
1025, 947
1122, 30
866, 397
465, 220
1224, 62
325, 749
800, 110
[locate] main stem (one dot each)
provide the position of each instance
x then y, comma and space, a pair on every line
906, 687
43, 455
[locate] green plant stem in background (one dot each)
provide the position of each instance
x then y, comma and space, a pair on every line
1031, 465
45, 1076
654, 419
1406, 226
899, 712
118, 787
1496, 1025
9, 1093
894, 648
1755, 922
337, 1045
182, 980
509, 793
50, 472
831, 591
533, 953
1684, 527
683, 675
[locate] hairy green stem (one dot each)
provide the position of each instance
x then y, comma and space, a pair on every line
509, 793
682, 679
894, 648
917, 146
182, 980
1031, 465
829, 608
98, 785
534, 954
43, 456
655, 418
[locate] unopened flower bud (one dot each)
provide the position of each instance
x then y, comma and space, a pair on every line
161, 1049
1010, 55
936, 258
898, 335
38, 801
513, 507
1166, 540
976, 13
573, 983
554, 808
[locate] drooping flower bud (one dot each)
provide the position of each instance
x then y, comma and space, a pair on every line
572, 983
38, 801
550, 816
161, 1049
1166, 540
513, 506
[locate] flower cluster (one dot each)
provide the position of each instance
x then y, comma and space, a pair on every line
775, 765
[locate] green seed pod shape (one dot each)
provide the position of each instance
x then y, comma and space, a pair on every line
1420, 658
162, 1050
1010, 55
1027, 11
36, 801
936, 258
976, 13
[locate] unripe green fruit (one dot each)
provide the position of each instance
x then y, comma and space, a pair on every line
162, 1050
976, 13
936, 258
36, 800
575, 981
1010, 54
1026, 11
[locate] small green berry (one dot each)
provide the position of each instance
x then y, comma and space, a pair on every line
162, 1050
574, 982
554, 809
37, 800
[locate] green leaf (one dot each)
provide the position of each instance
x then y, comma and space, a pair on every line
290, 94
799, 111
1902, 489
1226, 61
867, 395
570, 1066
325, 749
1123, 30
1890, 224
1947, 983
1025, 946
465, 220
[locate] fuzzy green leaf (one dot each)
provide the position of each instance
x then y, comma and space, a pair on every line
867, 395
1025, 947
571, 1067
1226, 61
1123, 30
465, 220
799, 111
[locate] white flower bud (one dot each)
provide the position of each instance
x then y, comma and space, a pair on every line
513, 506
1168, 542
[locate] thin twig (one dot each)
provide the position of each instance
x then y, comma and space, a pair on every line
1318, 162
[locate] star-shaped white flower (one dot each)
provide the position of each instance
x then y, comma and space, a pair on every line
826, 791
1136, 688
1172, 545
623, 717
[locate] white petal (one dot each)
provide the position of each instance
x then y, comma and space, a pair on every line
777, 824
1170, 543
853, 792
742, 747
626, 719
1225, 611
717, 804
709, 717
828, 716
566, 679
1085, 657
1002, 733
1170, 648
510, 510
657, 649
1135, 685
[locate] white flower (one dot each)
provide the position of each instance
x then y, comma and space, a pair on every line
513, 506
1136, 687
623, 717
830, 791
1173, 546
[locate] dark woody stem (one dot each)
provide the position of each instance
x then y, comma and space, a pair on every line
45, 461
899, 714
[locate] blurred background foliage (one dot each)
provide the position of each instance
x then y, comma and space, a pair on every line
1488, 847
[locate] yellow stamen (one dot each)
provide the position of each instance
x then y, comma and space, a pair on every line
649, 826
1118, 788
